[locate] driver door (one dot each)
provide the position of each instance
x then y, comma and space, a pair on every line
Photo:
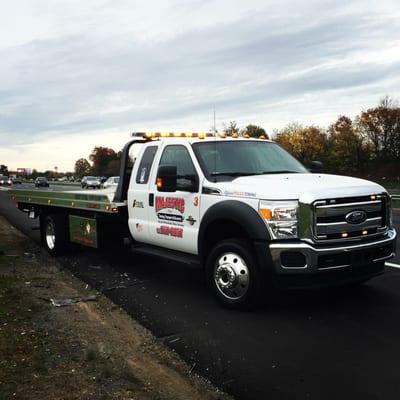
174, 216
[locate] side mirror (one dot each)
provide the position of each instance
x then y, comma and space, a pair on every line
316, 167
166, 178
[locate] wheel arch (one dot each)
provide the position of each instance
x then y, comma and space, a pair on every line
229, 219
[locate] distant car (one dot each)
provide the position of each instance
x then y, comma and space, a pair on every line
90, 182
15, 180
111, 182
3, 180
41, 181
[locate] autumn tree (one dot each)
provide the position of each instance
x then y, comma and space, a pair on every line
381, 126
112, 168
3, 169
101, 157
254, 131
82, 167
347, 149
231, 129
305, 143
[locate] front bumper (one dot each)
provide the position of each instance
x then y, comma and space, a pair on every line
301, 258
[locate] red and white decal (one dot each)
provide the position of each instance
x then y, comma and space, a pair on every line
175, 203
170, 231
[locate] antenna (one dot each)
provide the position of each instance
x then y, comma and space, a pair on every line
215, 131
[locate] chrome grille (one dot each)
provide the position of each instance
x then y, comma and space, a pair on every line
332, 221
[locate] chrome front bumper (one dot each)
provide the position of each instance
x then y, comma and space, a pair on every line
320, 259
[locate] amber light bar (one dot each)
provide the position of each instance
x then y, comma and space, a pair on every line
154, 135
201, 135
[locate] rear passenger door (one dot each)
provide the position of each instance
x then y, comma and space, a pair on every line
138, 194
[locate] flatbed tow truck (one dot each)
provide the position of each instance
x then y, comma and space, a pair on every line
244, 209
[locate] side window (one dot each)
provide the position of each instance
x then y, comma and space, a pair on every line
179, 156
146, 162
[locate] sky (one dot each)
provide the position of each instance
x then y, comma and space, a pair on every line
78, 74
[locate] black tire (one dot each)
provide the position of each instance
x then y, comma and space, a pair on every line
233, 274
54, 234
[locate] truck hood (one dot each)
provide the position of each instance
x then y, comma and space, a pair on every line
305, 187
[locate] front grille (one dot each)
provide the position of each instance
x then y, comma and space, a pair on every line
352, 218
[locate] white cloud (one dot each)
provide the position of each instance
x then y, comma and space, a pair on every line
78, 74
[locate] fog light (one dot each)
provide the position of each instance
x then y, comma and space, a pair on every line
293, 259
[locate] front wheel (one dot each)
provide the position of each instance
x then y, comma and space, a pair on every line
233, 274
54, 231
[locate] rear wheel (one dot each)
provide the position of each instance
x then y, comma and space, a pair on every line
54, 230
233, 274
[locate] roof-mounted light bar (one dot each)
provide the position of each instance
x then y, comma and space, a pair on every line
202, 135
156, 135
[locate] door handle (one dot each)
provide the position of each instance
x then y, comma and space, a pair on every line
151, 199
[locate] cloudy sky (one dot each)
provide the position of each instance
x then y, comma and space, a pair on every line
75, 74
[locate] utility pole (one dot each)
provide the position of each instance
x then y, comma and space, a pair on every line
215, 130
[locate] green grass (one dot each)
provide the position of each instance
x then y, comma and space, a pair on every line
3, 311
7, 282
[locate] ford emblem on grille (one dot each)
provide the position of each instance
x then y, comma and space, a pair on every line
356, 217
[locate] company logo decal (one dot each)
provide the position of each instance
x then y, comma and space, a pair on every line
356, 217
174, 203
137, 204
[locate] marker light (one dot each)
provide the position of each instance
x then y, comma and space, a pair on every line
156, 135
159, 183
365, 232
345, 234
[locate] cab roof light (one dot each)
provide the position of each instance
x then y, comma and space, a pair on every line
156, 135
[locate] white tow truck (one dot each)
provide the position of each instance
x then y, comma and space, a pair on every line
244, 209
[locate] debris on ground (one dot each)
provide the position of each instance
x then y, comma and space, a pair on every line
92, 350
62, 302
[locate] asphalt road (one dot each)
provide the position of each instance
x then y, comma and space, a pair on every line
331, 344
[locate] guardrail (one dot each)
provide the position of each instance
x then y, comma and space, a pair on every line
395, 196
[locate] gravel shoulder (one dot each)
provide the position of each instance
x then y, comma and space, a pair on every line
90, 349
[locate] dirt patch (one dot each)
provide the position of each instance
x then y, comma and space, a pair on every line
88, 350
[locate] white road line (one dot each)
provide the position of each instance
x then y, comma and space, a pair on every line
392, 265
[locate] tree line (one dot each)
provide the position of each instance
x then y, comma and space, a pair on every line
366, 146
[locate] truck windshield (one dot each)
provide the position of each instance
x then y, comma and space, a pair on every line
227, 160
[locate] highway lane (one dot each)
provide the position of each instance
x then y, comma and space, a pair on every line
308, 345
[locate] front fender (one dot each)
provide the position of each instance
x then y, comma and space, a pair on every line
238, 212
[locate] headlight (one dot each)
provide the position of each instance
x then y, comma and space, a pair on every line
280, 217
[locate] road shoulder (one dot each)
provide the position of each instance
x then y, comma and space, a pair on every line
90, 349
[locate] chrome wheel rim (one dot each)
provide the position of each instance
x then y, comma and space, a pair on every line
50, 236
231, 276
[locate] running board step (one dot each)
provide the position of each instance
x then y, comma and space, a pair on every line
171, 255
